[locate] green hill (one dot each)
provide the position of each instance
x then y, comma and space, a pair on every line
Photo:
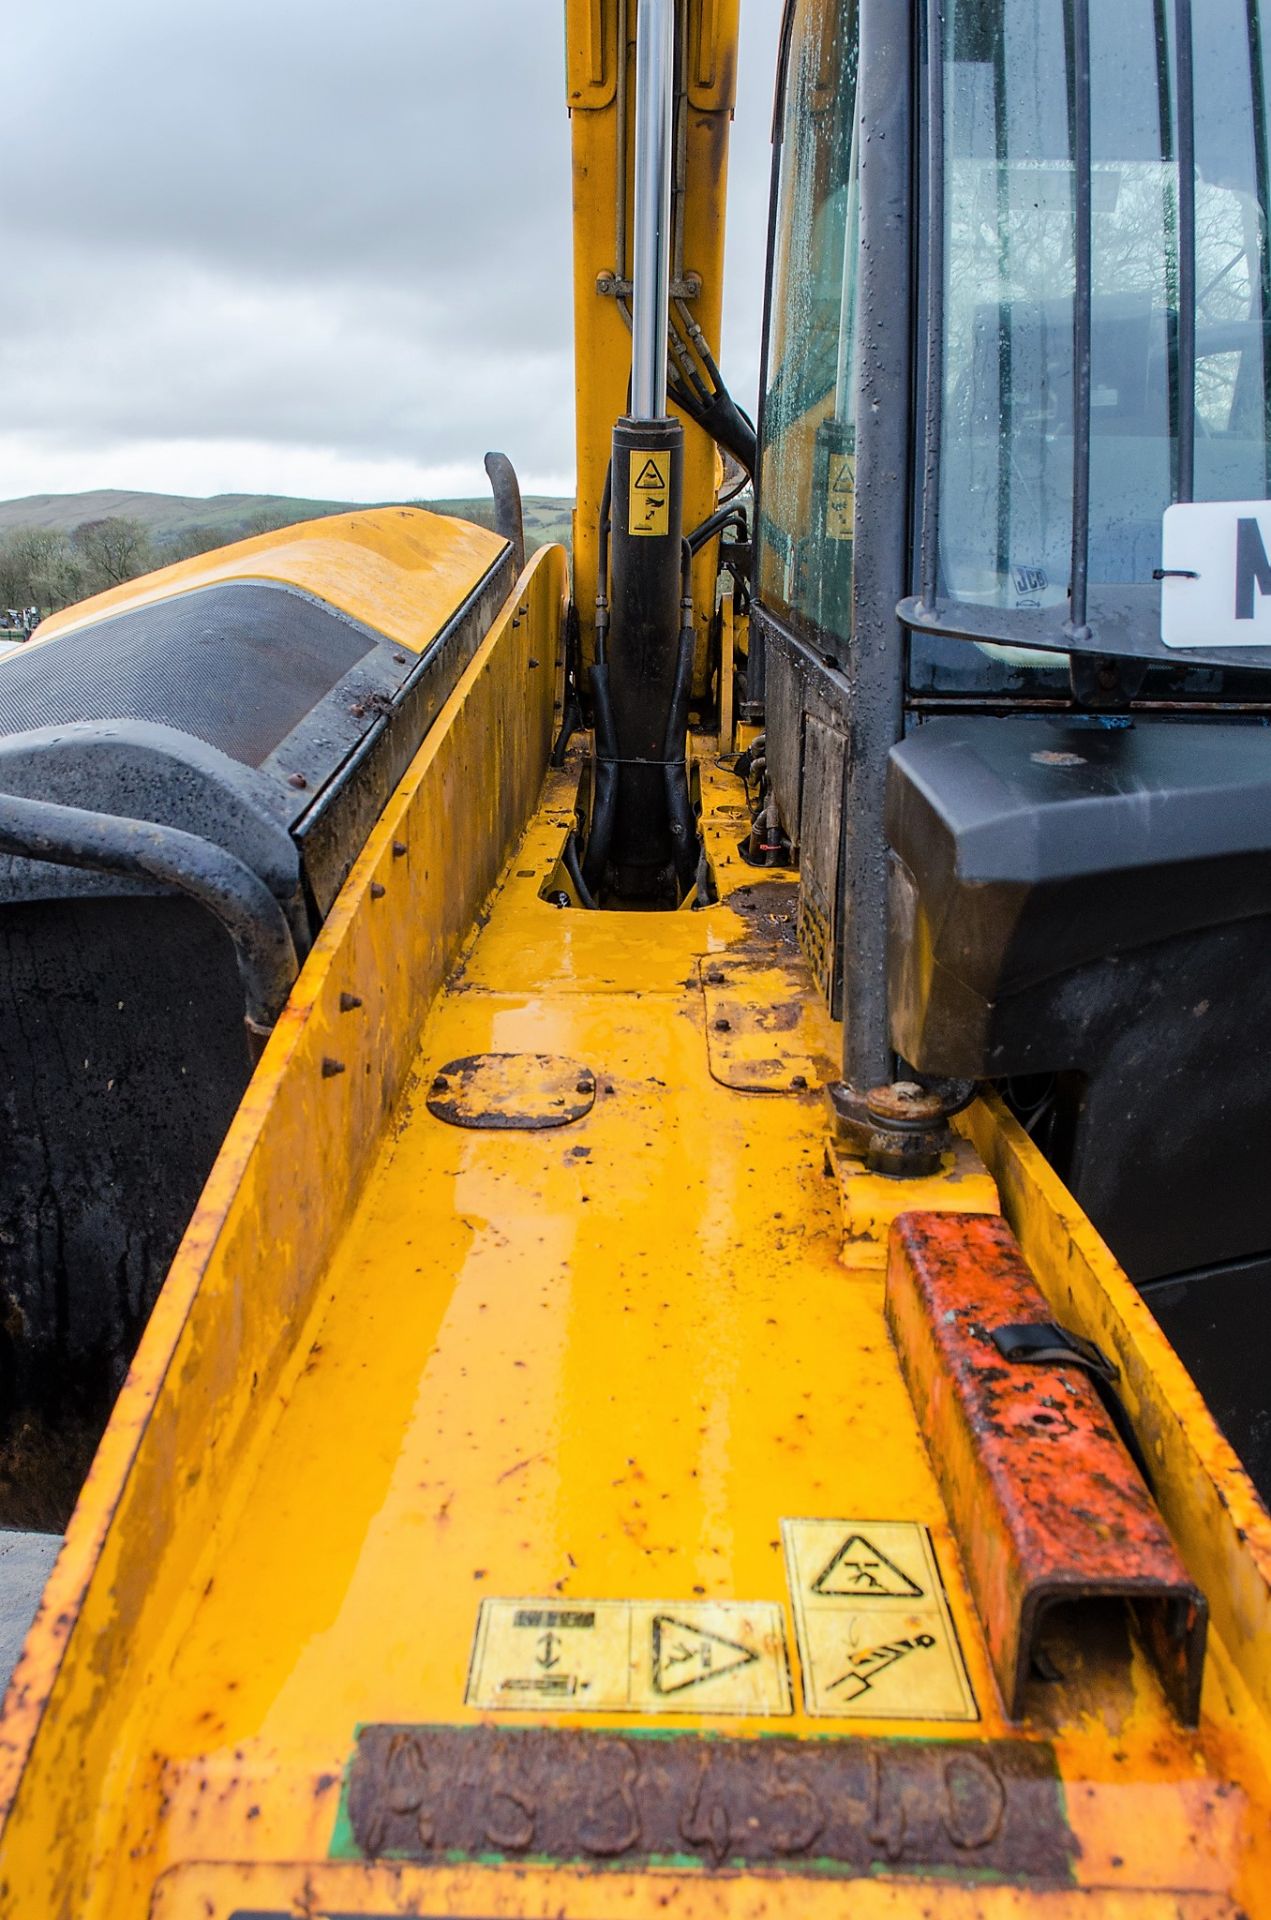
175, 520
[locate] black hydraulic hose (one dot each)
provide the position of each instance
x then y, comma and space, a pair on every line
604, 783
144, 850
699, 340
575, 872
723, 420
604, 790
572, 717
602, 566
677, 719
727, 423
606, 506
717, 413
716, 524
679, 803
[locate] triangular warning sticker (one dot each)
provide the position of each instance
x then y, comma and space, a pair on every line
650, 477
846, 481
859, 1569
684, 1656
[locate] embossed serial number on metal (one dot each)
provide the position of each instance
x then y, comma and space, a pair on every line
984, 1807
630, 1656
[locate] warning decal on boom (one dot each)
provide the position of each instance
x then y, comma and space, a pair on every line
630, 1656
650, 509
876, 1639
840, 502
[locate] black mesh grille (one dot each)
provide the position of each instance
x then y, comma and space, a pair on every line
237, 665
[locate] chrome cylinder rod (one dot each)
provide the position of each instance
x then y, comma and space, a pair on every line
651, 244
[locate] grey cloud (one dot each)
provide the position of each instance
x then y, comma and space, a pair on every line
304, 224
311, 139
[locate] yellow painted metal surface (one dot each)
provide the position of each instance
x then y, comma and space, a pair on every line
871, 1201
391, 567
597, 1365
218, 1893
227, 1343
600, 43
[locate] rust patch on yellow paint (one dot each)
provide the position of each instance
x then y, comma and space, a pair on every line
764, 1027
512, 1092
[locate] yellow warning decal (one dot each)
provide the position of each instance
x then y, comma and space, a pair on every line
630, 1656
650, 511
876, 1639
840, 497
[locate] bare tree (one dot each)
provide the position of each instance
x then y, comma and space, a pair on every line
39, 567
114, 550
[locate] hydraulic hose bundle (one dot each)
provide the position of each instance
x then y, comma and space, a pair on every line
604, 788
679, 804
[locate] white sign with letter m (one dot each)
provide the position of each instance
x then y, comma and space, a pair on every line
1216, 574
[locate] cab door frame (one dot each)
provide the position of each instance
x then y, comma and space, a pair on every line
795, 667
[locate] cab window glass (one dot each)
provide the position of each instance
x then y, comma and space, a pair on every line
807, 480
1009, 214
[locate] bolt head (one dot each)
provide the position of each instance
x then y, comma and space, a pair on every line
904, 1103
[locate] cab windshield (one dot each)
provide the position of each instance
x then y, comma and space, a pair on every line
1011, 285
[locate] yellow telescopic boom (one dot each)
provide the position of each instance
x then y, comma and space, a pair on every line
601, 45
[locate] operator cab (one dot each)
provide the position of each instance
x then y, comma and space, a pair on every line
1011, 619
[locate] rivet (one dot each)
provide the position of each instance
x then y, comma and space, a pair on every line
399, 849
349, 1002
378, 890
331, 1067
296, 780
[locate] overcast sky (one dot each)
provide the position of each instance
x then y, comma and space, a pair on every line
306, 246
